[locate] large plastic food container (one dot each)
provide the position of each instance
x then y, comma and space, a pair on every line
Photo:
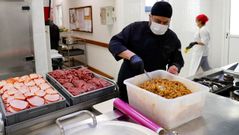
168, 113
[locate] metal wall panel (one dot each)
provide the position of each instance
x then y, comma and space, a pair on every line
16, 42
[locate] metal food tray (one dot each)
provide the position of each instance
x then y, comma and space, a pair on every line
87, 96
13, 118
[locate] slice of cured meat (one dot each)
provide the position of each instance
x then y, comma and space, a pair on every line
36, 101
33, 76
52, 98
40, 93
44, 86
39, 81
18, 105
51, 91
30, 83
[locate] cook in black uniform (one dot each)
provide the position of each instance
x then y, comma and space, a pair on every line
57, 63
147, 45
54, 35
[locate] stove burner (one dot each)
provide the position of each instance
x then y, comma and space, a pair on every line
236, 83
216, 84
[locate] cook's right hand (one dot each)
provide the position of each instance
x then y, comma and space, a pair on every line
137, 64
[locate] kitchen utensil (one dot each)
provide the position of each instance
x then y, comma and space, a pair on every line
150, 78
140, 118
146, 73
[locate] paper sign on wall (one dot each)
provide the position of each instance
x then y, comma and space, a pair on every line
81, 19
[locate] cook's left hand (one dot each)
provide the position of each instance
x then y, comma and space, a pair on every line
173, 70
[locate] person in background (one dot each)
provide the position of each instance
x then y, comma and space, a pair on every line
199, 46
54, 35
57, 63
148, 45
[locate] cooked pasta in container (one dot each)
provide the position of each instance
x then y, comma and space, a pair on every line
165, 88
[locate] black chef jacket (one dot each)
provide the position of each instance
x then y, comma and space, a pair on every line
157, 51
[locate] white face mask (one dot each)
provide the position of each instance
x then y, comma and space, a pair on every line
158, 29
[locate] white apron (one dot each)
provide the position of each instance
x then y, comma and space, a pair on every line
198, 51
196, 56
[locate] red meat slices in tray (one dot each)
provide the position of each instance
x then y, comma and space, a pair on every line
79, 81
25, 92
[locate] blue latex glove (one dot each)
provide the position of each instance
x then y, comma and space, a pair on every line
137, 64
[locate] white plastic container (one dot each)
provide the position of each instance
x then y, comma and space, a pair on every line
168, 113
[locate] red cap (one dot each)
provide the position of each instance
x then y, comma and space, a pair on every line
202, 17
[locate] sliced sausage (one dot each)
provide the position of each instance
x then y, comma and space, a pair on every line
51, 91
33, 76
34, 89
12, 91
30, 83
19, 96
44, 86
1, 91
9, 99
18, 85
16, 79
24, 89
10, 109
18, 105
2, 83
40, 93
5, 95
52, 98
36, 101
7, 86
7, 105
23, 78
29, 94
39, 81
11, 80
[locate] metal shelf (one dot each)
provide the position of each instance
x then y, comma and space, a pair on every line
71, 52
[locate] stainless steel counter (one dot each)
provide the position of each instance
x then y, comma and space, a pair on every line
220, 117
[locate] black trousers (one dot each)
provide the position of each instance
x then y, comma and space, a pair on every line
124, 73
57, 63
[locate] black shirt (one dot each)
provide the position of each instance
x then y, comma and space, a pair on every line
157, 51
54, 36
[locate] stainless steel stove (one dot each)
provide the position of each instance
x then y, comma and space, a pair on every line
220, 81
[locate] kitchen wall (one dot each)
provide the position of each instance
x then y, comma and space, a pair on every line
41, 49
127, 11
